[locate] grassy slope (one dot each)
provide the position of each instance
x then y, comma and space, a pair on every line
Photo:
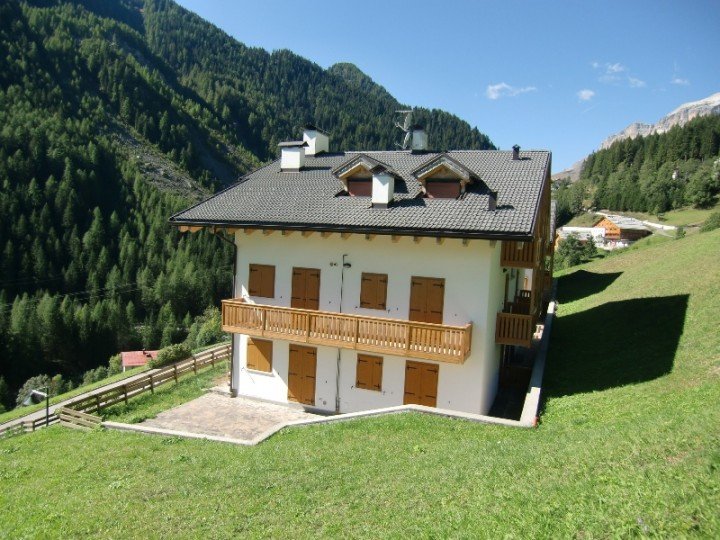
629, 443
680, 217
22, 411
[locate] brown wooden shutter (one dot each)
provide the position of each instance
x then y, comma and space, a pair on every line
261, 281
417, 299
254, 281
369, 372
268, 282
436, 296
259, 355
312, 289
373, 291
297, 299
367, 291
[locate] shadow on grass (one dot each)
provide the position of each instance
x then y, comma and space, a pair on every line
614, 344
582, 283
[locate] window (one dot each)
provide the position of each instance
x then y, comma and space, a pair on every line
360, 187
259, 355
369, 372
373, 291
442, 189
262, 280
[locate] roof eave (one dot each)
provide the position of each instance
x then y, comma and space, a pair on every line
387, 231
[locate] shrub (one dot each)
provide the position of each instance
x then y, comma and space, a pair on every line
711, 223
171, 354
115, 364
206, 329
33, 383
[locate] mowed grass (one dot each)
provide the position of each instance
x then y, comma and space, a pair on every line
628, 445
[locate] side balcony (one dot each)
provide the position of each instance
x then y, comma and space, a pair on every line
518, 254
514, 328
427, 341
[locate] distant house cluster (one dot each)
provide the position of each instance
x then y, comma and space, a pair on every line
610, 232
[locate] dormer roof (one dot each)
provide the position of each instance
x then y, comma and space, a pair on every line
361, 161
437, 163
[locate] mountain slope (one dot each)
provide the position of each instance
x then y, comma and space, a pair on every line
679, 117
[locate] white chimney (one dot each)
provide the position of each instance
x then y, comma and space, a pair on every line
292, 156
383, 187
419, 138
318, 141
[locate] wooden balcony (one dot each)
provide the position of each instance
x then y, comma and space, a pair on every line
514, 329
518, 254
370, 334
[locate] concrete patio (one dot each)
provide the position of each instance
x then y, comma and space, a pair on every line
219, 415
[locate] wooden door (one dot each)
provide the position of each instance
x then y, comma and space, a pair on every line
421, 381
301, 374
305, 288
427, 296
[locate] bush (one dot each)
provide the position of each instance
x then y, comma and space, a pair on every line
115, 364
206, 329
170, 355
95, 375
711, 223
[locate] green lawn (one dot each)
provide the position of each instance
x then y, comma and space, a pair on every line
168, 396
628, 445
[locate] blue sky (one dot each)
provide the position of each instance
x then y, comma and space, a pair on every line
553, 75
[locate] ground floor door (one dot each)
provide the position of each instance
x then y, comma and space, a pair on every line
301, 374
421, 382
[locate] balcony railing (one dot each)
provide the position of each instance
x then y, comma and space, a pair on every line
518, 254
371, 334
514, 329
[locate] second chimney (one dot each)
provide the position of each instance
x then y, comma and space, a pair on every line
419, 139
516, 152
318, 141
383, 187
492, 201
292, 155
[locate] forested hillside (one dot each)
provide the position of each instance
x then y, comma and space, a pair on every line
654, 174
113, 115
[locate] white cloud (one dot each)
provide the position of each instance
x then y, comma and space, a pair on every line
595, 65
496, 91
679, 81
635, 83
617, 67
585, 94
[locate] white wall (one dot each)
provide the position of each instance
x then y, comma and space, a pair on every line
474, 285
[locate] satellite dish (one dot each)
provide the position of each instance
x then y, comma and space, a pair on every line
406, 126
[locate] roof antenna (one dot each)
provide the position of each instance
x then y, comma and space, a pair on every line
406, 126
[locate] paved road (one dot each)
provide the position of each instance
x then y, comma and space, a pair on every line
41, 413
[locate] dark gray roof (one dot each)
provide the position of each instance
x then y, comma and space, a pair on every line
313, 199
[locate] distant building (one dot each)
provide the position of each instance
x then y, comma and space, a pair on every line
621, 231
583, 234
131, 359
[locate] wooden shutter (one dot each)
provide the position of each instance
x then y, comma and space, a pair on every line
312, 289
369, 372
373, 291
417, 299
421, 381
262, 280
305, 288
426, 299
259, 355
435, 300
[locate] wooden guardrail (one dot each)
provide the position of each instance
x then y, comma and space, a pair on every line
77, 420
514, 329
99, 399
348, 331
26, 426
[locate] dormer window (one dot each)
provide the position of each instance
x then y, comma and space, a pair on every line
443, 178
360, 185
363, 176
442, 188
